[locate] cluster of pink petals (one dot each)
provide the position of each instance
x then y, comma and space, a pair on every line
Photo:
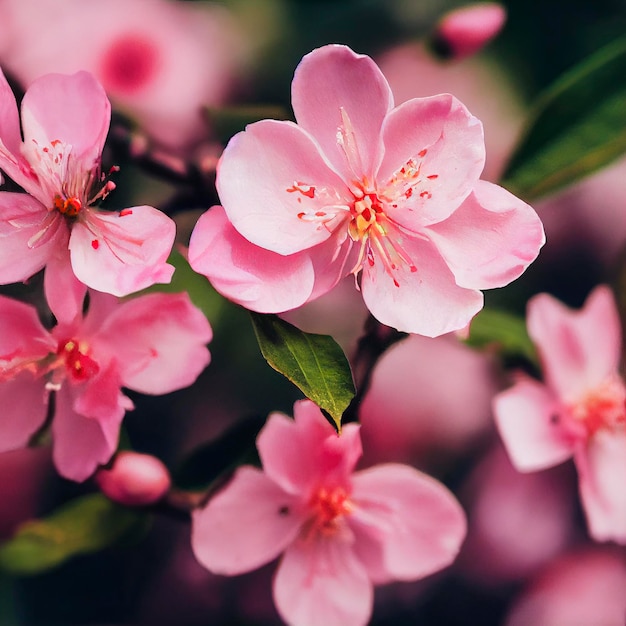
153, 344
580, 409
341, 531
390, 195
65, 120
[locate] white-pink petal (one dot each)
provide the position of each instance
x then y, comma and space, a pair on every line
321, 583
277, 189
247, 524
527, 416
490, 239
407, 525
254, 277
602, 467
120, 253
447, 145
579, 349
341, 98
426, 302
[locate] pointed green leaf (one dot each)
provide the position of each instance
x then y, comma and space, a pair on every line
316, 364
503, 331
577, 127
84, 525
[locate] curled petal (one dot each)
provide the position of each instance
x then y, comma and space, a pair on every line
579, 349
247, 524
329, 89
254, 277
315, 454
490, 240
426, 301
277, 189
322, 583
602, 467
407, 525
120, 253
65, 294
159, 341
440, 147
527, 418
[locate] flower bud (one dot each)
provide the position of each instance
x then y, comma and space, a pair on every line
134, 479
463, 32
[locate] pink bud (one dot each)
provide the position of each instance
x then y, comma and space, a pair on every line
134, 479
463, 32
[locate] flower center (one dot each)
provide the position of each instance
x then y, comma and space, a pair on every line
329, 506
70, 207
78, 364
601, 408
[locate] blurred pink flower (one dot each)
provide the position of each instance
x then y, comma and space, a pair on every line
341, 532
427, 397
579, 411
390, 195
65, 120
134, 479
159, 61
153, 344
466, 30
585, 587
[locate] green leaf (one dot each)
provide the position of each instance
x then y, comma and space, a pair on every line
316, 364
228, 121
576, 127
84, 525
503, 331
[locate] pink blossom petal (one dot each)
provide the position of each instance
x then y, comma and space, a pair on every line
524, 416
277, 189
158, 341
22, 335
29, 236
120, 253
329, 89
65, 294
71, 108
601, 468
490, 240
322, 583
447, 145
9, 121
24, 402
297, 454
579, 349
82, 443
247, 524
426, 302
332, 260
254, 277
407, 525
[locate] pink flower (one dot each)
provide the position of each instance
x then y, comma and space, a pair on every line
341, 532
390, 195
65, 120
153, 344
160, 61
464, 31
579, 411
